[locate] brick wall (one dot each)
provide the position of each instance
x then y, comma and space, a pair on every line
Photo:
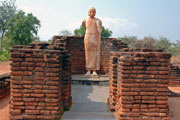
174, 79
113, 80
4, 85
36, 82
142, 84
75, 46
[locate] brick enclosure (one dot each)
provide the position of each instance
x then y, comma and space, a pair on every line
36, 82
174, 79
142, 85
75, 46
41, 75
113, 80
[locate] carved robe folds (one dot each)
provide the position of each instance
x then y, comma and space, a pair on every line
92, 42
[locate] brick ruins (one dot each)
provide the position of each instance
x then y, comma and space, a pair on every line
4, 85
141, 77
41, 79
174, 79
40, 82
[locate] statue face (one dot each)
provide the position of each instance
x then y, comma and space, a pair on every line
92, 13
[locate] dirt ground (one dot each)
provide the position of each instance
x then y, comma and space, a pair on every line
174, 102
4, 108
4, 67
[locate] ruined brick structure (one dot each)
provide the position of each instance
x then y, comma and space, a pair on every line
174, 79
4, 85
41, 79
41, 75
75, 46
38, 87
113, 80
142, 84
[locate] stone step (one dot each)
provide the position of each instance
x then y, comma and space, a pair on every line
102, 80
88, 116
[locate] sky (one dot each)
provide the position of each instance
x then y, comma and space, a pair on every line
156, 18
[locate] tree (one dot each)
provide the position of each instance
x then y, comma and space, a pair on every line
65, 33
22, 29
106, 32
149, 42
82, 30
129, 40
163, 43
7, 11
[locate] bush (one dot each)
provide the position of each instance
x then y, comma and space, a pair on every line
4, 56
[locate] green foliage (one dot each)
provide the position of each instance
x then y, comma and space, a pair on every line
4, 56
65, 33
133, 42
175, 51
7, 43
22, 28
7, 11
152, 43
163, 43
129, 40
82, 31
106, 33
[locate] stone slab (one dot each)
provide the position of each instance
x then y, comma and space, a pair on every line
90, 80
89, 103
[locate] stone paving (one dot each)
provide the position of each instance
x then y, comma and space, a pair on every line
89, 103
90, 80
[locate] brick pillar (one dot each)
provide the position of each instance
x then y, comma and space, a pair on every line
143, 85
61, 44
113, 80
66, 81
36, 84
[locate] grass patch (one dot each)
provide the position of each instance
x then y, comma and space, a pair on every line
4, 56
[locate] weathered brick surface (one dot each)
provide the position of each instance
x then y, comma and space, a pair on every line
40, 82
174, 79
142, 85
75, 46
113, 80
4, 85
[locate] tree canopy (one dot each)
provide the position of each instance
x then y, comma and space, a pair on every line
82, 30
7, 11
22, 28
163, 43
65, 33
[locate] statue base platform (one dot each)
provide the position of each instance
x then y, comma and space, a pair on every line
90, 80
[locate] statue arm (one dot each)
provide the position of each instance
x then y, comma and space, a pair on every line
99, 26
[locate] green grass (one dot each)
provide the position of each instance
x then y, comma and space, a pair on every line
4, 56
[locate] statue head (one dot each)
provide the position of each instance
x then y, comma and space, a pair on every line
92, 12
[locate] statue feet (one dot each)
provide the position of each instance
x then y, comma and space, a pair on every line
95, 74
88, 73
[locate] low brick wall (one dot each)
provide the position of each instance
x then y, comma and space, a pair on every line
174, 79
4, 85
66, 81
75, 46
37, 82
113, 80
142, 85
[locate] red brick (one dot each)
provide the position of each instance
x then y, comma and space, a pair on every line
32, 112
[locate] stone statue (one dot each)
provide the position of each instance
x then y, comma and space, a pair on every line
92, 42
